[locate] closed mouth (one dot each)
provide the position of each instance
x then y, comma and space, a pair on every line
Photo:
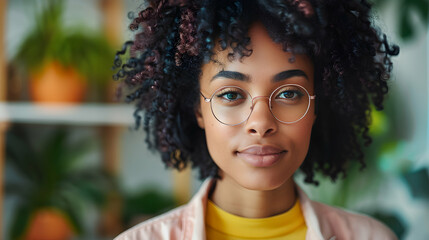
261, 155
261, 150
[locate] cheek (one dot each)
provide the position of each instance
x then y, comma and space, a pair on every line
301, 135
219, 137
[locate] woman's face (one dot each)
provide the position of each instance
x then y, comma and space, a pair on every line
260, 153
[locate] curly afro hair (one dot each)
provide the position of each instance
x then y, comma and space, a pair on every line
174, 38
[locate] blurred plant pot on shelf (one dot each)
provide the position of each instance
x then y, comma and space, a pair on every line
49, 224
63, 63
53, 185
57, 83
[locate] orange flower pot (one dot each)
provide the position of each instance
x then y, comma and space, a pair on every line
56, 83
49, 224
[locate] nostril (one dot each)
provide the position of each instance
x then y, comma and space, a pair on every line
254, 131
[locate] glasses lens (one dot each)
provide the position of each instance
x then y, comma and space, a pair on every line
290, 103
231, 105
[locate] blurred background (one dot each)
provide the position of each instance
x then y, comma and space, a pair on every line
73, 167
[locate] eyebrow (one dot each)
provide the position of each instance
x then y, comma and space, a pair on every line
232, 75
246, 78
288, 74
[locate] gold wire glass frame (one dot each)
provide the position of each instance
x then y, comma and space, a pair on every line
236, 111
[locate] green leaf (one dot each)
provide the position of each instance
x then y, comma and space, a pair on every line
422, 7
51, 156
92, 184
21, 221
379, 3
35, 49
71, 205
91, 193
24, 162
393, 222
88, 52
418, 182
148, 201
22, 190
406, 30
76, 152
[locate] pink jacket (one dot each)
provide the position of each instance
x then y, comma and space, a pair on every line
323, 222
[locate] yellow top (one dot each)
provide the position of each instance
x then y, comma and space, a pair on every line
221, 225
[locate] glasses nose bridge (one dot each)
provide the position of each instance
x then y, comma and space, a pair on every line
259, 97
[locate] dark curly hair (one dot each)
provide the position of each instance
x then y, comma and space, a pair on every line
174, 38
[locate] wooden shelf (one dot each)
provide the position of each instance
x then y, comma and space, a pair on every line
75, 114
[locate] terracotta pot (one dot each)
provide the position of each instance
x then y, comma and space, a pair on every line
49, 224
56, 83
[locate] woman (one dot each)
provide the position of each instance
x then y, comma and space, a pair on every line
248, 92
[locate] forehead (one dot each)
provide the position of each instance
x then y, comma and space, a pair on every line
267, 59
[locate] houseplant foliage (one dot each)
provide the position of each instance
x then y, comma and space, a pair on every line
72, 50
52, 184
146, 203
383, 160
406, 9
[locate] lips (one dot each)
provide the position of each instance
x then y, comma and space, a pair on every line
261, 150
261, 155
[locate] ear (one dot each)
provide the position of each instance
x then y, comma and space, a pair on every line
199, 116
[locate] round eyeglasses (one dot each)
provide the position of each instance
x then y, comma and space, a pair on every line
232, 105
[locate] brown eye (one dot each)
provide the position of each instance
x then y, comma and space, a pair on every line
290, 94
230, 95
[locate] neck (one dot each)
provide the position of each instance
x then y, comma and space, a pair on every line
237, 200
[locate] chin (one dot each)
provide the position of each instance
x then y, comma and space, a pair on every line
261, 183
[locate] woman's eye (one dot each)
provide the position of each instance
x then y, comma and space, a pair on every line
230, 96
289, 94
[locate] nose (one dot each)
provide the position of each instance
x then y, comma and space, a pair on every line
261, 121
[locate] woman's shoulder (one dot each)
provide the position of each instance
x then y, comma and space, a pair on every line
184, 222
345, 224
169, 225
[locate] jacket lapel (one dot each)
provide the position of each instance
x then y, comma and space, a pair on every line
312, 217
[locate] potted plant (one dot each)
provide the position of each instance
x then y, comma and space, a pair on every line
144, 204
61, 61
52, 186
